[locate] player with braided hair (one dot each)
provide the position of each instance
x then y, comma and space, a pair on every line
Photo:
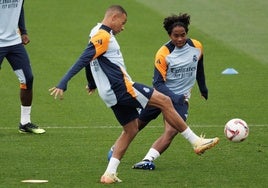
178, 64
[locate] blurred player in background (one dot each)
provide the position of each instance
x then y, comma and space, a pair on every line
13, 37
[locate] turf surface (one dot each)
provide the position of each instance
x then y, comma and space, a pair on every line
80, 129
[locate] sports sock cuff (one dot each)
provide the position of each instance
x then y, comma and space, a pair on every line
189, 135
112, 166
152, 155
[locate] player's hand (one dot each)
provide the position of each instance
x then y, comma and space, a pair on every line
54, 91
204, 95
90, 91
25, 39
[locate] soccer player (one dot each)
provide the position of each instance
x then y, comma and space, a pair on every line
106, 71
13, 37
178, 64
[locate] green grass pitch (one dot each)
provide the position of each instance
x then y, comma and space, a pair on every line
81, 129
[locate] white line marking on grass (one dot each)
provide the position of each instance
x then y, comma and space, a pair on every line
119, 127
148, 126
34, 181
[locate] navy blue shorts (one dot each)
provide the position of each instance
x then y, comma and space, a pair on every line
20, 63
127, 107
151, 113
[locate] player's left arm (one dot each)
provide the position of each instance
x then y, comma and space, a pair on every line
24, 36
91, 86
201, 80
200, 74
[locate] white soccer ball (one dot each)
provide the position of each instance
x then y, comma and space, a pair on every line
236, 130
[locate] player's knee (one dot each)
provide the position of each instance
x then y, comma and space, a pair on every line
166, 100
161, 101
171, 133
131, 129
130, 134
25, 78
28, 83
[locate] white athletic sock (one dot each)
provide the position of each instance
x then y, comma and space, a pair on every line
112, 166
152, 155
25, 114
189, 135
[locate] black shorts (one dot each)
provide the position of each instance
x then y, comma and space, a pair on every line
20, 63
127, 107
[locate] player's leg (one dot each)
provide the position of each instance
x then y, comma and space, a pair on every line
127, 116
146, 115
158, 147
163, 102
130, 130
161, 144
200, 144
20, 63
164, 141
3, 53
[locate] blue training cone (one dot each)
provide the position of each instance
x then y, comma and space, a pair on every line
229, 71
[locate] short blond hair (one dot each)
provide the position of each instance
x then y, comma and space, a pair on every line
116, 8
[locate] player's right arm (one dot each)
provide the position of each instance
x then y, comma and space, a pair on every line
96, 47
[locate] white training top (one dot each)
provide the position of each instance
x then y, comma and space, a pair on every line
9, 15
